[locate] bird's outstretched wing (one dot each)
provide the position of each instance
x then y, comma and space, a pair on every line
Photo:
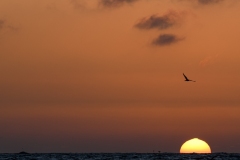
185, 77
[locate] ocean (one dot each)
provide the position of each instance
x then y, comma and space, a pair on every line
118, 156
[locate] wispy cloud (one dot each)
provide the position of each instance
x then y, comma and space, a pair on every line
115, 3
208, 1
165, 21
85, 4
208, 60
5, 26
166, 39
77, 4
203, 2
1, 23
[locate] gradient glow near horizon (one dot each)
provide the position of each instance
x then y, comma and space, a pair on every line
195, 145
107, 75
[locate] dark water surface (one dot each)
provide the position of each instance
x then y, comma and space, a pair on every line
119, 156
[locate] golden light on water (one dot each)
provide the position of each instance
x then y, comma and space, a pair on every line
195, 145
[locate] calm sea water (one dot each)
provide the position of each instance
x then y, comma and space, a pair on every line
119, 156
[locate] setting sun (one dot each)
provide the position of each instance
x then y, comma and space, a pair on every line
195, 145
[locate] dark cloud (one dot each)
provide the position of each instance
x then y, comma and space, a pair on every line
208, 1
166, 39
160, 22
115, 3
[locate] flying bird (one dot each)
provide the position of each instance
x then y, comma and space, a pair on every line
186, 79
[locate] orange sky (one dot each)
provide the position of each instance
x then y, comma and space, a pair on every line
106, 75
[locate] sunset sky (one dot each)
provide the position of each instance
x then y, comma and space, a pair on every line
107, 75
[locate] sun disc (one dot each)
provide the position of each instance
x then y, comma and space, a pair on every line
195, 145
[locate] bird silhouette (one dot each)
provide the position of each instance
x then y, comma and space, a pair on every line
186, 79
